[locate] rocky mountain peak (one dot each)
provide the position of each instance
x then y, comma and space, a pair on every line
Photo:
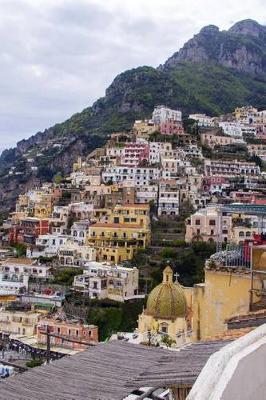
249, 27
241, 48
209, 30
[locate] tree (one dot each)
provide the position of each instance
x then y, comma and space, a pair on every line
58, 179
190, 125
20, 249
66, 276
168, 341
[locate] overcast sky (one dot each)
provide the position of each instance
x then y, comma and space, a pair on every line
58, 56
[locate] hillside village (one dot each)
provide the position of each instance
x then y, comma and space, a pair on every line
173, 192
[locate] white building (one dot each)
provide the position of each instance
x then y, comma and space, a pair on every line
102, 280
72, 254
13, 284
15, 274
24, 266
145, 194
81, 211
113, 152
203, 120
163, 114
137, 176
59, 219
79, 231
230, 168
168, 202
233, 129
157, 150
250, 130
169, 167
47, 245
192, 151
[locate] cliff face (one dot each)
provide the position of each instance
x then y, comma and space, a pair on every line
214, 72
242, 48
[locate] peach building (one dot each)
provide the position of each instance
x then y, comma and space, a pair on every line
207, 225
211, 139
69, 329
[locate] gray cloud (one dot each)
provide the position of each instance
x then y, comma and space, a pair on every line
58, 57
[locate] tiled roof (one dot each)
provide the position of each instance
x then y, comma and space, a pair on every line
23, 261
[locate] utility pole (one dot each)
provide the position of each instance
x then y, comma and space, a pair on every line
48, 345
149, 337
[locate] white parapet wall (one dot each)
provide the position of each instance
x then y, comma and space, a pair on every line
236, 372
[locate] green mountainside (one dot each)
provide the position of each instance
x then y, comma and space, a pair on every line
213, 73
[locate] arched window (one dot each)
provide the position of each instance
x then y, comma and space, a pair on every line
241, 234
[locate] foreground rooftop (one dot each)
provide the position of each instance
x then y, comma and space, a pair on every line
110, 371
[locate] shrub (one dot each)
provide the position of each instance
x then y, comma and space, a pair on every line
34, 363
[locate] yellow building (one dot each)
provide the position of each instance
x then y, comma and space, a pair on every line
135, 214
241, 233
168, 309
19, 322
116, 254
124, 230
121, 239
43, 208
203, 311
144, 128
227, 292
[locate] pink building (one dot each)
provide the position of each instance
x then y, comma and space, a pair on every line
134, 154
248, 197
214, 184
171, 127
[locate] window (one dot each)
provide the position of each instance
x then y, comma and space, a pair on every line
197, 222
212, 222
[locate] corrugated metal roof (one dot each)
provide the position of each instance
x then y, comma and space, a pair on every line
109, 371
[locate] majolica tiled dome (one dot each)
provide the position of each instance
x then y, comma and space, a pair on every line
167, 300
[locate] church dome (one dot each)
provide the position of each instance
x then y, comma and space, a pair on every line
167, 300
